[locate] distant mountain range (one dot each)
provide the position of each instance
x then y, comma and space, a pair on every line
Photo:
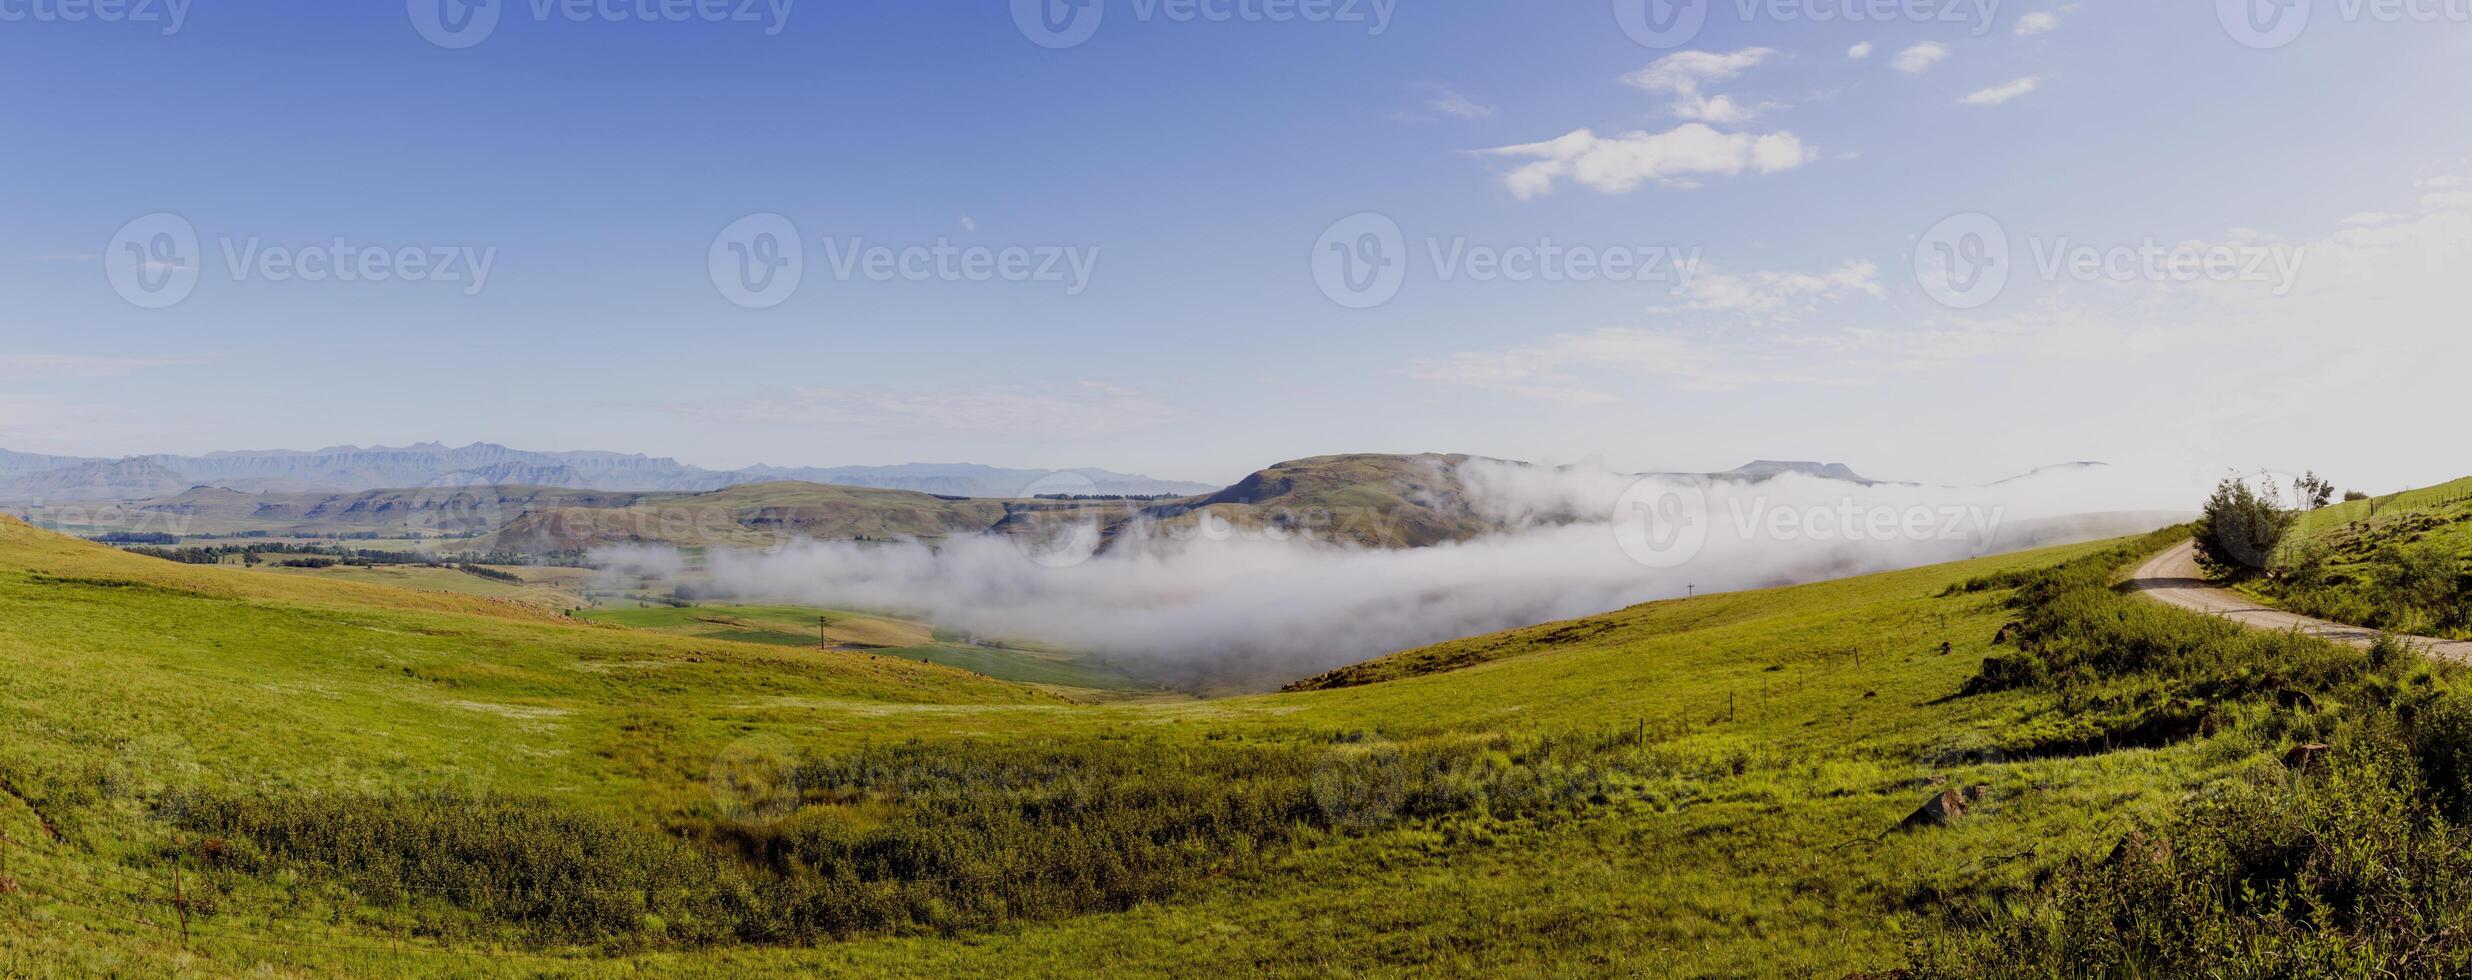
530, 507
353, 469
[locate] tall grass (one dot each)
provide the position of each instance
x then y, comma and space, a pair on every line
2348, 860
911, 838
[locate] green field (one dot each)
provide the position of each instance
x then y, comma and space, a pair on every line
1706, 787
802, 626
2402, 562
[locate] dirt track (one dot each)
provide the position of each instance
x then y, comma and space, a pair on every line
2173, 577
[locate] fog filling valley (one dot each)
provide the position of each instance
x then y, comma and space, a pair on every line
1218, 604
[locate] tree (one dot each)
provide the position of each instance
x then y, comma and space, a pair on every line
2352, 495
2241, 528
2314, 491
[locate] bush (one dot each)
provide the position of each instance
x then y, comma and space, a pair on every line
2240, 529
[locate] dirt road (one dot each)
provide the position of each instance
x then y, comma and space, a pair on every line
2173, 577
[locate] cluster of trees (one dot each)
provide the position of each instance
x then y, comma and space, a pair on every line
252, 554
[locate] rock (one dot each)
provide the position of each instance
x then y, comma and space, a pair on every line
2300, 757
1977, 793
2295, 700
1940, 811
2139, 847
8, 885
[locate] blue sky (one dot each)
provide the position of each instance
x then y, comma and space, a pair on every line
1198, 164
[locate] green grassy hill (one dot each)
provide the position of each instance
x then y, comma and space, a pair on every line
393, 781
2402, 562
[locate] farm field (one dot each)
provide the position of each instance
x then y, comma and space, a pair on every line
1718, 755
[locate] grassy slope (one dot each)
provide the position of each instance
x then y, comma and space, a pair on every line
426, 578
1753, 839
2355, 531
251, 673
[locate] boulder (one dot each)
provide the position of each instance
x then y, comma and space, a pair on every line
2302, 756
1939, 811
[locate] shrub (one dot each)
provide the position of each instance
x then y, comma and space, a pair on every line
2240, 529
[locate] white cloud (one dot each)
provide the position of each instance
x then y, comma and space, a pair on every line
2446, 182
1451, 103
1780, 296
1920, 58
2447, 199
1081, 409
2371, 218
1675, 158
1998, 94
968, 223
1683, 74
2038, 22
1859, 51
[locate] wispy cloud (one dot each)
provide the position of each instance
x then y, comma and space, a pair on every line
1677, 158
1998, 94
1781, 296
1683, 74
1859, 51
1920, 58
1451, 103
2037, 22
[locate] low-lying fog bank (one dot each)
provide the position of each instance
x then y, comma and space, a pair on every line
1216, 604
